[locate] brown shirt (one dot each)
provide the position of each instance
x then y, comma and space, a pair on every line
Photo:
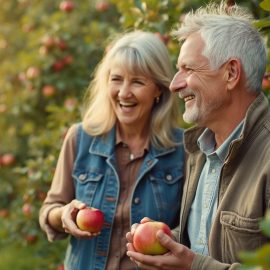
62, 192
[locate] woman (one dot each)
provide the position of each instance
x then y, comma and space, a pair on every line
125, 158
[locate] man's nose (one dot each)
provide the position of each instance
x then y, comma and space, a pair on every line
178, 82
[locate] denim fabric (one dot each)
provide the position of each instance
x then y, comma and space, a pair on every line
156, 194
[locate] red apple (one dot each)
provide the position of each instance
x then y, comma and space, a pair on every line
4, 213
48, 90
58, 65
68, 59
90, 219
145, 241
60, 267
61, 44
8, 159
66, 6
27, 209
31, 238
266, 83
102, 6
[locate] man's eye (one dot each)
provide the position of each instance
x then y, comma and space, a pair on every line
187, 68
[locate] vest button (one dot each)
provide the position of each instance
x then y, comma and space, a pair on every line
169, 177
137, 200
149, 163
82, 176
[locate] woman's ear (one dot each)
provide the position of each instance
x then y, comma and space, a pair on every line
158, 92
233, 72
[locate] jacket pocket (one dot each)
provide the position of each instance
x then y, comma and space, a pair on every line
239, 234
86, 184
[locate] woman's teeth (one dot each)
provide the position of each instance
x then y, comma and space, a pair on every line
127, 104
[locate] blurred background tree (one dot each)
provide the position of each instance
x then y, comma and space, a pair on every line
48, 51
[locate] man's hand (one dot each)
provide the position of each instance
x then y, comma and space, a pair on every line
179, 256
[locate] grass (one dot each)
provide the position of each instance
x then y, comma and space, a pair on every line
31, 257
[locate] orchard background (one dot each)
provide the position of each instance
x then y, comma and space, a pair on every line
48, 51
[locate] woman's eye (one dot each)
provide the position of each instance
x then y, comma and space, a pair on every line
138, 82
115, 79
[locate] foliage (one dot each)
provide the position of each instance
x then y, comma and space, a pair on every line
260, 258
48, 51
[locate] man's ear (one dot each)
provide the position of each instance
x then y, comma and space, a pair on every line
233, 72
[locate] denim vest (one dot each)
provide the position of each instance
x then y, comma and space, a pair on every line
156, 193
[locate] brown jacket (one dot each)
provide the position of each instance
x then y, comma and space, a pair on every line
244, 191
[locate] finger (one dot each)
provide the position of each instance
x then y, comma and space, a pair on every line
78, 204
141, 259
129, 237
74, 213
145, 267
146, 219
133, 228
166, 241
130, 247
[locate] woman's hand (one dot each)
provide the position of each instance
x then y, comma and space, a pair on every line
65, 217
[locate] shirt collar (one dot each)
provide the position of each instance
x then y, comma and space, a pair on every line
119, 139
206, 142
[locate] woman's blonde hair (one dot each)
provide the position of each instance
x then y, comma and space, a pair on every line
138, 52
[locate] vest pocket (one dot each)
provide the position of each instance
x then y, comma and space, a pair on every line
166, 187
239, 234
86, 184
84, 177
168, 177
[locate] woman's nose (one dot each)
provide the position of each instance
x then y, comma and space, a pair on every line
124, 91
178, 82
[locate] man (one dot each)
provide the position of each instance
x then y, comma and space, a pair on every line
227, 188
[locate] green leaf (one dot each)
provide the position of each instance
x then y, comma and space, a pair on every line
265, 226
248, 257
260, 24
265, 5
259, 257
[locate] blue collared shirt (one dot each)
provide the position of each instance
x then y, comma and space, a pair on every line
204, 206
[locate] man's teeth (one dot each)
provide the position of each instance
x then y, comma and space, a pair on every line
189, 98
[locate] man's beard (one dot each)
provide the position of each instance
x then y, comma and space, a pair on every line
191, 116
199, 114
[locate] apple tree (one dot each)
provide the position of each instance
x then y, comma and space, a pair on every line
48, 51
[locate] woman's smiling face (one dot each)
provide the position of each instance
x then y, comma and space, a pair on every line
132, 96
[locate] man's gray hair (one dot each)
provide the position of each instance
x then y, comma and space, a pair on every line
228, 32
